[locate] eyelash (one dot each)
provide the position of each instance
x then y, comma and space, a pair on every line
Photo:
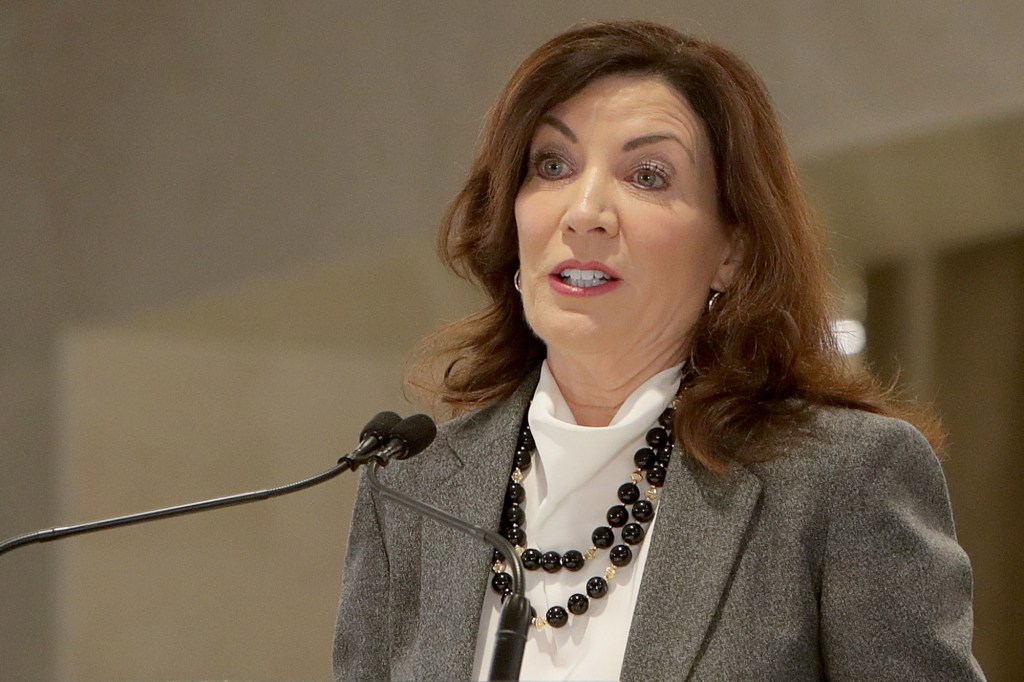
663, 173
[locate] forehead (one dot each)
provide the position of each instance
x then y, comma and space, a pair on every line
633, 102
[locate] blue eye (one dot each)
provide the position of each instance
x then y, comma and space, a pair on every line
649, 176
550, 166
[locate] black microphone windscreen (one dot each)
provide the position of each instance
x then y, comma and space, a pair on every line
380, 426
417, 431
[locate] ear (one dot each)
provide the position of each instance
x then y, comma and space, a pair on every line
732, 257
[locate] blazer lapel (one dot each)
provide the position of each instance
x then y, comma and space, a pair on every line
471, 483
702, 527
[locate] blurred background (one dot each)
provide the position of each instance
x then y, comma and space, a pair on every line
216, 249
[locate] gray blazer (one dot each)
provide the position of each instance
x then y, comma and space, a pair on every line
835, 561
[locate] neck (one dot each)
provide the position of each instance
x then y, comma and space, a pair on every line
594, 391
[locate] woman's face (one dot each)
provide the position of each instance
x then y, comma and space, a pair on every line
619, 235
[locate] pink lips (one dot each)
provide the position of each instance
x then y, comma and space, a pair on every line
565, 288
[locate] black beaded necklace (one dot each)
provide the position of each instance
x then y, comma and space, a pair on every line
651, 464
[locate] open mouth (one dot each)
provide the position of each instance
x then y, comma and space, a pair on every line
584, 279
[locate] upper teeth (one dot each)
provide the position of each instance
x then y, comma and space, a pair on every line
584, 278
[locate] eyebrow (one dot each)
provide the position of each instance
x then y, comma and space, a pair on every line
629, 146
560, 127
643, 140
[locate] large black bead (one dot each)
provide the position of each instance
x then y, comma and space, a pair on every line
657, 437
527, 439
633, 533
656, 476
514, 515
643, 511
497, 556
573, 560
665, 455
516, 493
557, 617
617, 516
523, 460
516, 535
578, 604
597, 587
644, 458
501, 582
620, 555
603, 537
628, 493
531, 559
551, 562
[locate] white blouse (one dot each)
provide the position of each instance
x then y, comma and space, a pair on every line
571, 485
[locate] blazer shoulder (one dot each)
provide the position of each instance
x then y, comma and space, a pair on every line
843, 447
846, 438
855, 438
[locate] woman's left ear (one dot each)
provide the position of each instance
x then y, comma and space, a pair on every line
734, 252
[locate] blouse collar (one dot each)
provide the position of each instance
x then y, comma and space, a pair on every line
572, 455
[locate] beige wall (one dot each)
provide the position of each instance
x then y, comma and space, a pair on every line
216, 216
242, 593
256, 387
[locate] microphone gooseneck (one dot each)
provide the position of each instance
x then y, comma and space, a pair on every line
410, 437
374, 435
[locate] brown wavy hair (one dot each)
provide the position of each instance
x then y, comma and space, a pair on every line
763, 354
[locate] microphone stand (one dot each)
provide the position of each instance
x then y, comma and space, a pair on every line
514, 621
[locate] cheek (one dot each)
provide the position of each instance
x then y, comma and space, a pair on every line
531, 222
686, 258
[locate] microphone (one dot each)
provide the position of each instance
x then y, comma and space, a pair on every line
373, 436
409, 438
375, 433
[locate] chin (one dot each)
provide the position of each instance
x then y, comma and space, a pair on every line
577, 334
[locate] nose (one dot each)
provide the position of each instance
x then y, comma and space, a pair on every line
590, 208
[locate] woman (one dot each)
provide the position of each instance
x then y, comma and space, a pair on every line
654, 409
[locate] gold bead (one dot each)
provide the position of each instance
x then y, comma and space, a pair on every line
498, 567
539, 623
520, 549
652, 493
636, 476
590, 553
609, 573
517, 476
